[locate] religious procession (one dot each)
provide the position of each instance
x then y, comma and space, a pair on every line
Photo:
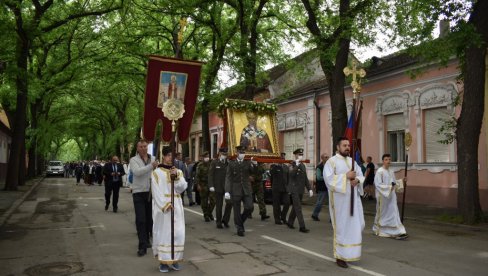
243, 137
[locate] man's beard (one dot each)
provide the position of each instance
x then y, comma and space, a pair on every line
345, 153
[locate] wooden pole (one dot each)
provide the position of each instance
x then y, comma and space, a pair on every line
353, 149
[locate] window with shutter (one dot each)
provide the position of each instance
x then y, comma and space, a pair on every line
293, 140
434, 151
395, 135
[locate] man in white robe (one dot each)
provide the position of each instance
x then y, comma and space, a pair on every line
387, 222
339, 179
161, 192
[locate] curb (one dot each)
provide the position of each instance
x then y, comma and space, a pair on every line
19, 201
436, 222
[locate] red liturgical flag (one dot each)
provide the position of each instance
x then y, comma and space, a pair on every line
170, 78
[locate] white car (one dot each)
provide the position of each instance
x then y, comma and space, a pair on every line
55, 168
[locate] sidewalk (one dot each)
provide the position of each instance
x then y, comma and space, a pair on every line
415, 212
10, 200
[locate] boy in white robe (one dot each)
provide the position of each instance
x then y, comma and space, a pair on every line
161, 192
339, 179
387, 222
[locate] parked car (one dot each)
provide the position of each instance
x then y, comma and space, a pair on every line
55, 168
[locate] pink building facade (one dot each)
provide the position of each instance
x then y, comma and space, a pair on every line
394, 103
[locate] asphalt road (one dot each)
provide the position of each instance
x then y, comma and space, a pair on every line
62, 229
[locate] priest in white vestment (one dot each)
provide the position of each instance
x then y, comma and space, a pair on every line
348, 229
387, 222
161, 192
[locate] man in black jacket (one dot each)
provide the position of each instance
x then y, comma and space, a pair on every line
113, 172
321, 189
279, 180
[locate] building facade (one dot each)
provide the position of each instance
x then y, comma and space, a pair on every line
394, 102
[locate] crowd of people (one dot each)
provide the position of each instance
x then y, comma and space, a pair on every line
232, 186
91, 172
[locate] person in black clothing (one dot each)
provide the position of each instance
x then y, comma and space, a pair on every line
78, 172
98, 173
113, 172
279, 181
195, 184
369, 179
320, 187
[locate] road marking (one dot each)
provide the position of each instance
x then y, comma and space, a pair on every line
320, 255
195, 212
62, 228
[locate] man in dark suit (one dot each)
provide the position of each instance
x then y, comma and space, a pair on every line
113, 172
238, 188
297, 181
279, 181
216, 182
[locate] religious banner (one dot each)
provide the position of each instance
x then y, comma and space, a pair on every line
171, 89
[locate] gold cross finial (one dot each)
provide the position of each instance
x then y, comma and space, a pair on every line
357, 74
183, 24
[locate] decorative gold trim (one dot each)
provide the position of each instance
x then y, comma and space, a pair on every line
169, 195
173, 60
170, 262
348, 245
156, 176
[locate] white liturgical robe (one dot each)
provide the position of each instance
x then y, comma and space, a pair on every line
347, 229
387, 222
161, 193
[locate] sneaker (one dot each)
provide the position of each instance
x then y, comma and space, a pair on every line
401, 237
175, 266
163, 268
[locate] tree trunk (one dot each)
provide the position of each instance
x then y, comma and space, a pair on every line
336, 91
205, 126
31, 172
470, 120
17, 152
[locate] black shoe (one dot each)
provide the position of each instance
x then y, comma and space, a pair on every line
341, 263
290, 226
315, 218
211, 217
115, 210
279, 222
141, 252
284, 221
250, 216
264, 217
304, 230
207, 219
240, 233
106, 207
192, 203
220, 226
148, 245
226, 224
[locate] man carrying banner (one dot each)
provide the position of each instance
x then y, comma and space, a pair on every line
162, 205
339, 179
387, 222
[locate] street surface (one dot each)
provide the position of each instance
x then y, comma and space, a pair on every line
62, 229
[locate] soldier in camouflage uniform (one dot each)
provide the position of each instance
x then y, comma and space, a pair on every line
257, 189
207, 198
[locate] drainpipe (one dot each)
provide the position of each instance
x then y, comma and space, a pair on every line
317, 125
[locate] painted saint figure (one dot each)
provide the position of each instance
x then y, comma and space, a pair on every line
254, 138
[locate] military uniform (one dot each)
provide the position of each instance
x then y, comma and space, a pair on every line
297, 181
216, 180
238, 189
257, 189
207, 198
279, 181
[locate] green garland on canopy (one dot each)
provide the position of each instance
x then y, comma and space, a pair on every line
241, 105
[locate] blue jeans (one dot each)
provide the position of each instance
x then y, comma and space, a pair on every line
321, 196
